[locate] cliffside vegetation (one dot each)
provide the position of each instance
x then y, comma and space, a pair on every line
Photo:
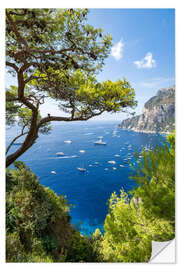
38, 225
146, 214
38, 221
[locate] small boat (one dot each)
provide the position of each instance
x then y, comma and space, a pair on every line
117, 155
114, 168
121, 165
53, 172
60, 154
96, 162
81, 169
90, 165
106, 169
112, 162
68, 141
99, 141
82, 151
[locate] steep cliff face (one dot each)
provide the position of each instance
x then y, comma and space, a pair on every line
158, 114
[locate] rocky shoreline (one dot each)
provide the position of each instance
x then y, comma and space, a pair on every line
158, 114
146, 131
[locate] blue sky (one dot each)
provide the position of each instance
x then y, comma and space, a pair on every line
143, 51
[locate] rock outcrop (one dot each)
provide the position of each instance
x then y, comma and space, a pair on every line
158, 114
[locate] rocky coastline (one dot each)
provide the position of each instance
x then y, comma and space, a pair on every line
158, 114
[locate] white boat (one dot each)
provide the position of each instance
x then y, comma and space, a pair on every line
90, 165
114, 168
112, 162
68, 141
81, 169
121, 165
99, 141
53, 172
60, 154
117, 155
82, 151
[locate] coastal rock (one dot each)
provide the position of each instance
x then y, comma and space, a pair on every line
158, 114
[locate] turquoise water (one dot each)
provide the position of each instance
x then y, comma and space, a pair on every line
88, 191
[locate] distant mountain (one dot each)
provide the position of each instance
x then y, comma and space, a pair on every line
158, 114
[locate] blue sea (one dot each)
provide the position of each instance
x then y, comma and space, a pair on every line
88, 192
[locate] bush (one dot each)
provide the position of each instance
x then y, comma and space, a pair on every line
82, 249
37, 220
147, 214
38, 223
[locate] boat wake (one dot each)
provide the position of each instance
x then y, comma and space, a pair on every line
90, 133
73, 156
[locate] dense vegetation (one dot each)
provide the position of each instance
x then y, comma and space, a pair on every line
38, 221
147, 214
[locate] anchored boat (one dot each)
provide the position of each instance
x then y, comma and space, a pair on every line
99, 141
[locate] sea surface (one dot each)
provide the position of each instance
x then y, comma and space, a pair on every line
88, 192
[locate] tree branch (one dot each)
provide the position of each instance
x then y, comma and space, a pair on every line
14, 28
17, 137
66, 119
32, 135
12, 65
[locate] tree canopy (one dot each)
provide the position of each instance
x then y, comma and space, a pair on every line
55, 53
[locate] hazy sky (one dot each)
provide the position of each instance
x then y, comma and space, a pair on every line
143, 51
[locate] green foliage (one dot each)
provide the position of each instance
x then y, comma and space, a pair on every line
38, 223
16, 113
57, 29
109, 96
155, 174
56, 54
11, 106
82, 249
37, 220
125, 238
148, 214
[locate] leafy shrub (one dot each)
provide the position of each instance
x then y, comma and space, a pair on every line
36, 218
125, 238
82, 249
38, 223
147, 214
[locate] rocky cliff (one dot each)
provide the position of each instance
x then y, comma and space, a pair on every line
158, 114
